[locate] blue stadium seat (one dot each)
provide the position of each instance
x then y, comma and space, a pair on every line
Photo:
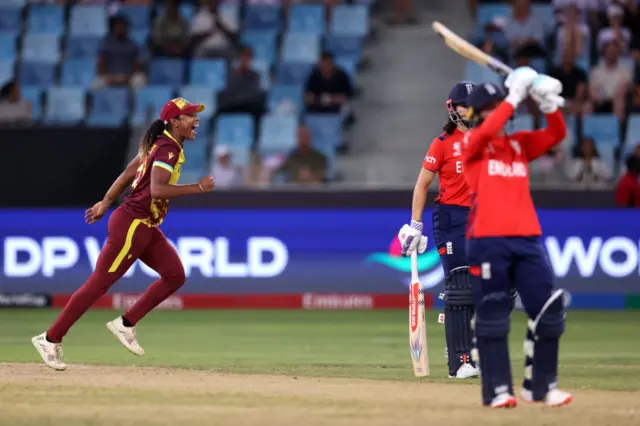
6, 70
46, 19
208, 72
39, 74
306, 18
545, 14
33, 95
344, 45
293, 74
195, 154
277, 134
234, 130
167, 72
350, 65
230, 14
350, 20
263, 68
263, 44
41, 48
148, 102
14, 3
240, 156
521, 122
186, 9
8, 46
109, 107
326, 136
633, 134
285, 99
138, 16
140, 37
605, 131
478, 74
65, 105
300, 48
10, 18
262, 17
486, 12
78, 73
201, 95
79, 47
88, 20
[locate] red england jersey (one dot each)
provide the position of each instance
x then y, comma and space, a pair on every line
168, 154
628, 191
445, 158
497, 172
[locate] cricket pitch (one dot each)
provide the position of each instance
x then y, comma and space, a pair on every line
31, 394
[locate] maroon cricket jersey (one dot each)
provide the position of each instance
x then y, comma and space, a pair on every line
167, 153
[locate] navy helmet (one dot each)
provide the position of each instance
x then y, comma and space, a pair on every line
484, 96
459, 96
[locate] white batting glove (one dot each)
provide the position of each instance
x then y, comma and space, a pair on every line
411, 238
542, 89
518, 83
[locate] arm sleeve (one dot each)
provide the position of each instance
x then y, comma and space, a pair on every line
538, 142
435, 156
478, 139
166, 157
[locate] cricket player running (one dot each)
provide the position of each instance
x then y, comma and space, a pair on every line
449, 221
133, 230
503, 239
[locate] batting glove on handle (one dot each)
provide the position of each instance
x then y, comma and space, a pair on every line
411, 238
545, 91
518, 83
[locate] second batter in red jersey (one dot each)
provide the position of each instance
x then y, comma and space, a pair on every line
496, 169
445, 158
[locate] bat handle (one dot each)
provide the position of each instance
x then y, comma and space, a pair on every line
414, 267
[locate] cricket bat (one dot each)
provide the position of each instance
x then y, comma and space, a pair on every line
417, 323
469, 51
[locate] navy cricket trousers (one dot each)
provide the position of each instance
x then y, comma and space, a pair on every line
498, 264
449, 229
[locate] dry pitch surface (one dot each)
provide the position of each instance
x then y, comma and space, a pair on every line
31, 394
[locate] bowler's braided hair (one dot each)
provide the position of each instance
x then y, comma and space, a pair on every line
153, 132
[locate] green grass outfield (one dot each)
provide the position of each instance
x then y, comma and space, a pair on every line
599, 350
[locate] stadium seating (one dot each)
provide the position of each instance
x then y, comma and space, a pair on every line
6, 70
138, 16
65, 105
88, 20
83, 46
40, 74
350, 20
10, 18
605, 131
521, 122
109, 107
263, 17
41, 48
326, 136
8, 46
285, 99
293, 74
344, 46
33, 95
200, 95
208, 72
300, 48
277, 134
148, 103
78, 73
187, 10
633, 134
234, 130
167, 72
263, 44
306, 18
46, 19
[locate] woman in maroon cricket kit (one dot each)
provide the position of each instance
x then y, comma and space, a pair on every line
134, 231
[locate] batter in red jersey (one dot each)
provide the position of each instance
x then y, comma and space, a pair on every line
133, 231
449, 221
503, 239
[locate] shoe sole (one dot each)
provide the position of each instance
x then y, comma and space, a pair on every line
510, 403
112, 328
566, 401
34, 342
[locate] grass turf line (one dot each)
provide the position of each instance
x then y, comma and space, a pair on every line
598, 351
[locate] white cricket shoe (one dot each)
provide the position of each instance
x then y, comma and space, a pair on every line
467, 371
554, 398
126, 335
504, 400
50, 352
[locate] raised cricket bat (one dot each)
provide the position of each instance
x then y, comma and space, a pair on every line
417, 323
469, 51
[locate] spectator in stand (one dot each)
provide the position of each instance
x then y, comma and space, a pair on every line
493, 42
574, 85
615, 31
524, 31
171, 32
14, 109
586, 166
211, 34
328, 88
628, 189
119, 57
305, 165
225, 174
243, 92
609, 82
573, 34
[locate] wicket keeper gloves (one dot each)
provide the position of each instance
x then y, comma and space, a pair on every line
518, 84
541, 90
411, 238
